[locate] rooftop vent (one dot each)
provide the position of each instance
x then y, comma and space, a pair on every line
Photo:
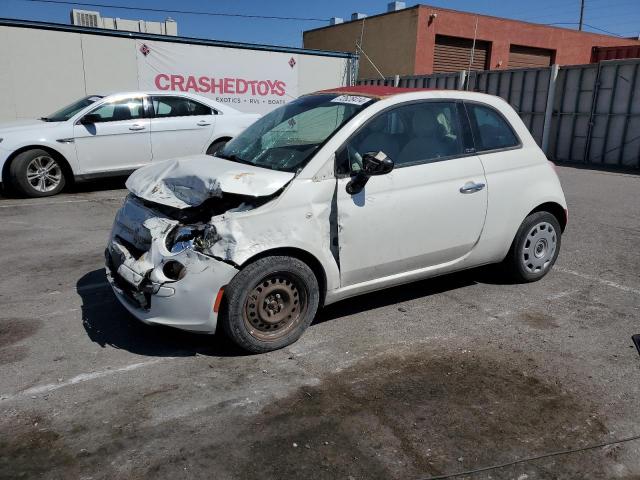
85, 18
395, 6
335, 20
358, 16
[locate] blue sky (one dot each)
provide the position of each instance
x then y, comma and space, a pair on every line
619, 16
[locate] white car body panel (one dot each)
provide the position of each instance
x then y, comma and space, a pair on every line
195, 134
113, 147
189, 181
410, 224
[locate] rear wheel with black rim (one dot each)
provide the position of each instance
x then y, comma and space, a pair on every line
270, 303
37, 173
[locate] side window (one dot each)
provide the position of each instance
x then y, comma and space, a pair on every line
491, 130
410, 134
178, 107
125, 109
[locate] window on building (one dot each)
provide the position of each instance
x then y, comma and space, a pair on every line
491, 130
171, 106
409, 134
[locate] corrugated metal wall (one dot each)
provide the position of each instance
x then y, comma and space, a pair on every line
588, 114
596, 115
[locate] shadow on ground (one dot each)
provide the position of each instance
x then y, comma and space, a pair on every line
97, 185
107, 322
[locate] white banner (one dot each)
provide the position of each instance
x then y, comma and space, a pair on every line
248, 80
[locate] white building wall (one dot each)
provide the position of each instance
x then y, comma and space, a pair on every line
318, 73
43, 70
109, 64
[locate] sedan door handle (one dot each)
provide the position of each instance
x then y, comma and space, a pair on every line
136, 126
203, 123
471, 187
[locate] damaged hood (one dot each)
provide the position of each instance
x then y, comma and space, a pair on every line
189, 181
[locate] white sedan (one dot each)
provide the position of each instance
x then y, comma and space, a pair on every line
112, 135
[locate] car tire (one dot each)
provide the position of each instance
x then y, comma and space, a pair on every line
534, 249
216, 146
270, 303
37, 173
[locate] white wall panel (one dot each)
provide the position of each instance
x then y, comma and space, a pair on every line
319, 73
45, 69
110, 64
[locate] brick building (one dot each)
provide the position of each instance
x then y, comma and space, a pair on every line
424, 39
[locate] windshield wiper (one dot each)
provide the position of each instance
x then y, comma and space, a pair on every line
234, 158
44, 119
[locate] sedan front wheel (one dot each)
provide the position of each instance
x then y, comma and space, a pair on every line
36, 173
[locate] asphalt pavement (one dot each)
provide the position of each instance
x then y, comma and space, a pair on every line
462, 376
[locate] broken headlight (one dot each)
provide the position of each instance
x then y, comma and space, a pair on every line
197, 237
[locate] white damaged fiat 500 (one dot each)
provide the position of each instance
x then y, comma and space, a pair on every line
333, 195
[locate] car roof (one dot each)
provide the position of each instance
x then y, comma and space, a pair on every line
201, 98
375, 91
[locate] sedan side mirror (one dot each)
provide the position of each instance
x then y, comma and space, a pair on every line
373, 164
90, 119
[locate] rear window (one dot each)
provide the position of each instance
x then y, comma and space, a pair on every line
491, 130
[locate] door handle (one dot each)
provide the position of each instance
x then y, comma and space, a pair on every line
471, 187
136, 126
203, 123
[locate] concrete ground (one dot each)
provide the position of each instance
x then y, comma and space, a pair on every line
459, 376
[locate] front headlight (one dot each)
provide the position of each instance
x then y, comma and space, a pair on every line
197, 237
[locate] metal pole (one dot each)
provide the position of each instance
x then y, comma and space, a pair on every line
462, 75
581, 15
473, 48
548, 113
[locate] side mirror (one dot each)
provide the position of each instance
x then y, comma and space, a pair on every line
90, 118
376, 163
373, 164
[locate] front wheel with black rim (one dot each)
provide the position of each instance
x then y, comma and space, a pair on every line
36, 173
535, 248
270, 303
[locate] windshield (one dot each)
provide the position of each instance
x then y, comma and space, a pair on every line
69, 111
286, 138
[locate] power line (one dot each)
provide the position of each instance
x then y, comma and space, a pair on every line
180, 12
587, 25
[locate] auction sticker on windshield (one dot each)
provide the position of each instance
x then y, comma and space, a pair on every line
351, 99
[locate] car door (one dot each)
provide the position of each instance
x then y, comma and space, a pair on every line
428, 211
114, 136
180, 126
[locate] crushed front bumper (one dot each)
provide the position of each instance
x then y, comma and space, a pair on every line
135, 259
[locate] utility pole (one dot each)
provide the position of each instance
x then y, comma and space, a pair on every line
581, 14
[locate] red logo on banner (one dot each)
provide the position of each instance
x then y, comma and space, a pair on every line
292, 62
145, 50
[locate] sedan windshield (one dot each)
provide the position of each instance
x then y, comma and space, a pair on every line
69, 111
286, 138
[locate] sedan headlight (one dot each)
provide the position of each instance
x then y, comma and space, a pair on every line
196, 237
